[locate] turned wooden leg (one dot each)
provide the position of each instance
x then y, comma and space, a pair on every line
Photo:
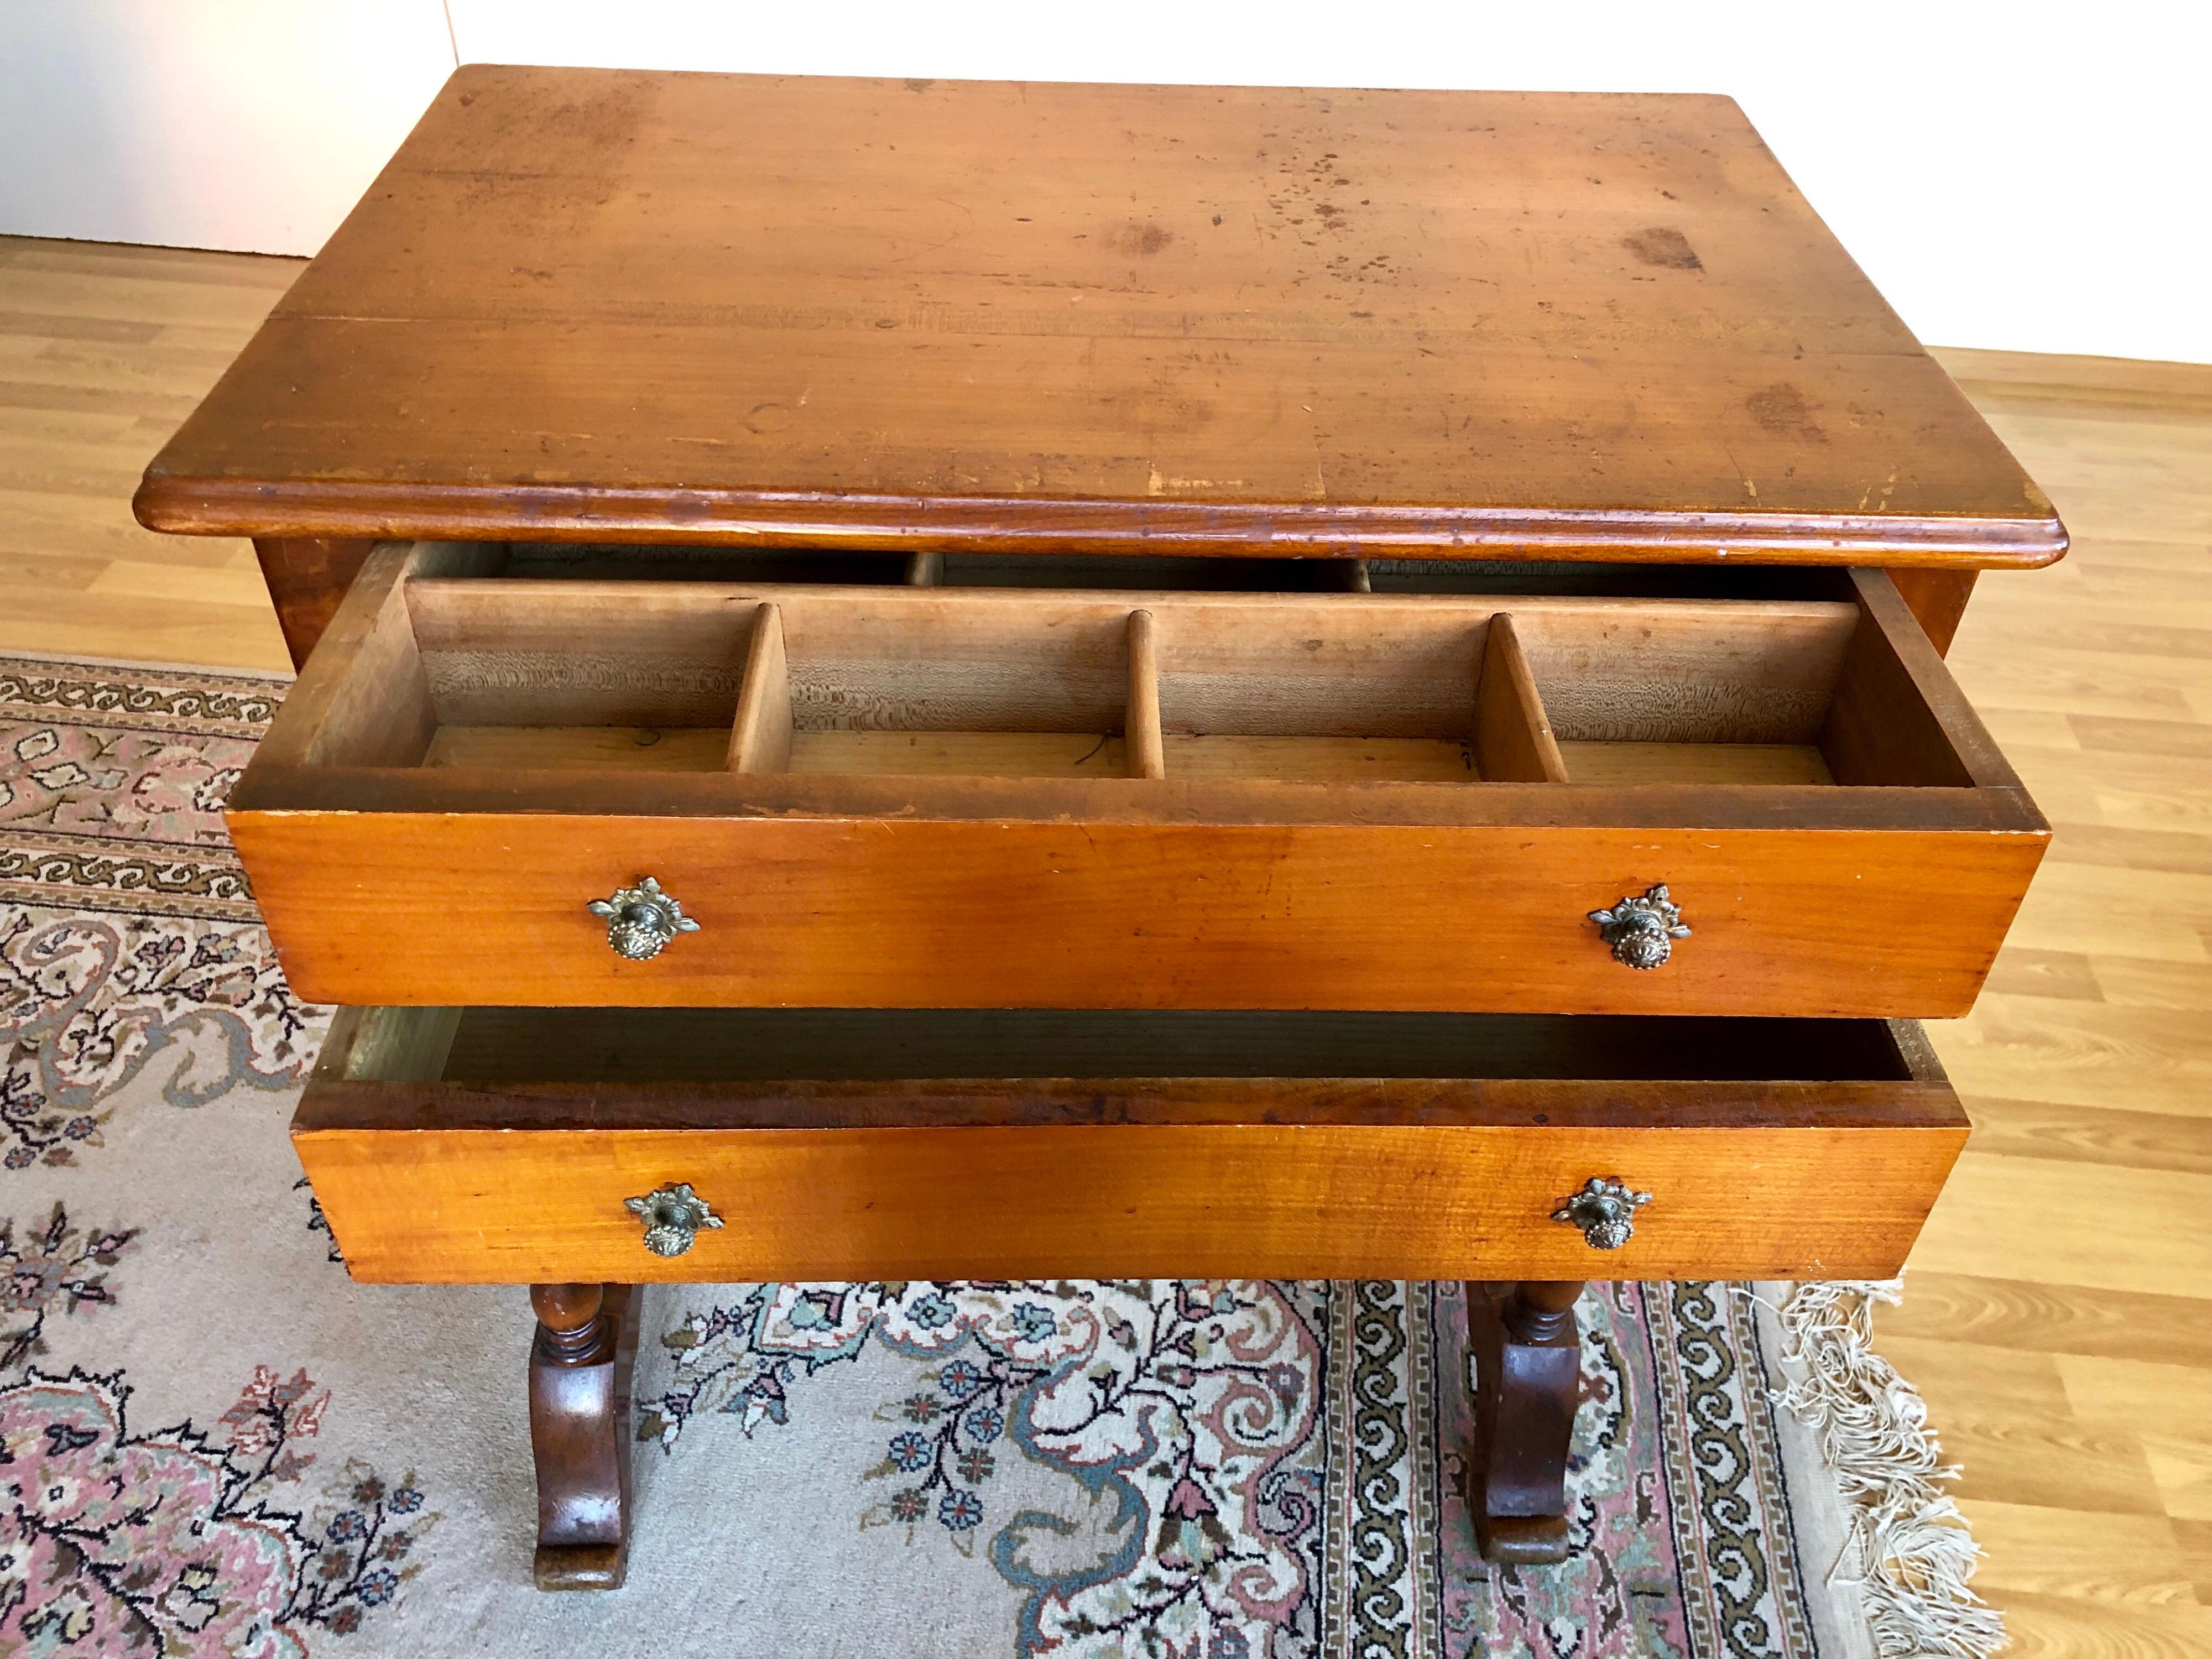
580, 1433
1527, 1364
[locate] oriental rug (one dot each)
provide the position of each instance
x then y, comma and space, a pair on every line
212, 1442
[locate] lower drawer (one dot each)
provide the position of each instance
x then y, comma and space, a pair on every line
507, 1144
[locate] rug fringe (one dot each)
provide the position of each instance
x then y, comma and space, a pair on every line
1872, 1426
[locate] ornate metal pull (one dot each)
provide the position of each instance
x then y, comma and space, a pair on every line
641, 919
1606, 1212
673, 1217
1643, 930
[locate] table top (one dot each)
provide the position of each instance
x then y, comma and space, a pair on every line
606, 304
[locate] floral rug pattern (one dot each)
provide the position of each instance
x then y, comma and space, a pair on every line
184, 1542
1189, 1407
211, 1443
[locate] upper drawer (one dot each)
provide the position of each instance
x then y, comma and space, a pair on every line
995, 798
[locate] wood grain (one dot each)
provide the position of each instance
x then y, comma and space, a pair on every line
761, 728
1938, 599
368, 701
1526, 1352
1147, 755
974, 314
1896, 717
1695, 763
309, 577
1237, 1176
582, 1360
1318, 760
960, 754
881, 910
827, 1120
1512, 736
581, 748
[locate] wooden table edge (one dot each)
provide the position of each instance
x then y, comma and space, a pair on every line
1260, 529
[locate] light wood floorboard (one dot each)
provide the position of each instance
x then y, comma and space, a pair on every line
2059, 1314
104, 350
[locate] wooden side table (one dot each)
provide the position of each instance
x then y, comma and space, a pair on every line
1217, 681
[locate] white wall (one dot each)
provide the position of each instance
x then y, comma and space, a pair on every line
226, 123
2024, 176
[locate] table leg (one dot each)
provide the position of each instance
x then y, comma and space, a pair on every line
580, 1432
307, 577
1528, 1366
1938, 599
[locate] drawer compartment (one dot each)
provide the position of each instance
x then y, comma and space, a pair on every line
993, 796
496, 1144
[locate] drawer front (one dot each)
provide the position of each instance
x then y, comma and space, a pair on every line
1281, 1177
826, 912
1762, 1199
995, 798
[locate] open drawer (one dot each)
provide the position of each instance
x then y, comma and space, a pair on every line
496, 1145
992, 797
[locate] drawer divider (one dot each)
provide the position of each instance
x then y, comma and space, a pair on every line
1143, 745
760, 736
1512, 737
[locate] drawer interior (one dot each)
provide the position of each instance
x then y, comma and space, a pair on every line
540, 667
641, 1046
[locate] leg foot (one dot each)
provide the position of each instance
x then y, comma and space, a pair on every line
1528, 1362
580, 1432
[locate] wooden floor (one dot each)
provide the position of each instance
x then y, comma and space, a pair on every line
103, 352
2059, 1310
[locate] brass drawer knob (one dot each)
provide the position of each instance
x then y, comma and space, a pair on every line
641, 919
673, 1217
1606, 1212
1641, 931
